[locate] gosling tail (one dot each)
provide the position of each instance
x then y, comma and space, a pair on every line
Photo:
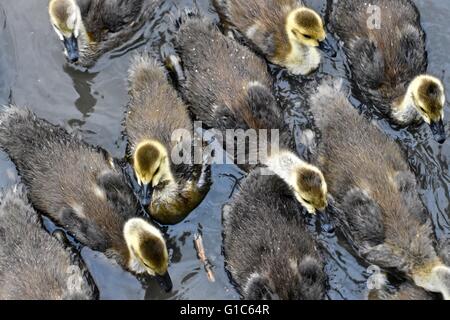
14, 203
18, 129
185, 15
329, 100
144, 73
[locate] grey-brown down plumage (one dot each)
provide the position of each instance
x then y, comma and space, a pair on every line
157, 113
376, 193
77, 185
105, 24
33, 264
268, 250
227, 86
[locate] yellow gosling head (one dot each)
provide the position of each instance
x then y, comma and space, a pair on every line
67, 22
306, 27
306, 181
310, 188
428, 97
151, 166
148, 251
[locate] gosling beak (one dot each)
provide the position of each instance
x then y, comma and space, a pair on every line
326, 47
325, 220
71, 45
145, 195
438, 130
61, 237
165, 282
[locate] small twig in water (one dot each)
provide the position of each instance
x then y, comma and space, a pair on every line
198, 243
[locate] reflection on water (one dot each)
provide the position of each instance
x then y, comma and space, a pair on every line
82, 81
7, 63
33, 73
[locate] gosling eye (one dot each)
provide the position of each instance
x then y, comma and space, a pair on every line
307, 36
157, 171
306, 201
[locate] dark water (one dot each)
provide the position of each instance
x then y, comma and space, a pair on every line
33, 73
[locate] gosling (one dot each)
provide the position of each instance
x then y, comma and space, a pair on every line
82, 189
389, 61
33, 264
268, 251
286, 32
375, 193
155, 112
228, 88
89, 29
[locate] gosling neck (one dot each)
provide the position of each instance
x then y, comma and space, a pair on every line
167, 173
284, 165
83, 39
